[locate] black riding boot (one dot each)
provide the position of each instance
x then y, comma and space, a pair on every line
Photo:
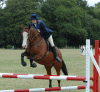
55, 54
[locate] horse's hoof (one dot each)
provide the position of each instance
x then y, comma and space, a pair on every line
24, 63
33, 65
50, 86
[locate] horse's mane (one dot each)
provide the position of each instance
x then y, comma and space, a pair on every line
32, 28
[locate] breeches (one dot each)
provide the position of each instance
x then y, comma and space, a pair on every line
50, 39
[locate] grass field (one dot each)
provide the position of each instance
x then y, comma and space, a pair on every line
10, 62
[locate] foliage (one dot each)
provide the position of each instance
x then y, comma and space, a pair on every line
16, 12
72, 21
9, 46
65, 18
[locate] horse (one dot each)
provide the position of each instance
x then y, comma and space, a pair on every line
37, 49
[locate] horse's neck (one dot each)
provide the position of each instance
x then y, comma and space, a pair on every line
40, 49
35, 39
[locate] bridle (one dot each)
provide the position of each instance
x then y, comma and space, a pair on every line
29, 43
32, 38
40, 40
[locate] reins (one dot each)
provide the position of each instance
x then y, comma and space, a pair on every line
30, 40
29, 44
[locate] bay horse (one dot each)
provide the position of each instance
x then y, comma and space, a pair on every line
37, 49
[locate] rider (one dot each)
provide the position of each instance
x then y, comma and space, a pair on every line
45, 32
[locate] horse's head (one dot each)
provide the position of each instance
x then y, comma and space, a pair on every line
28, 35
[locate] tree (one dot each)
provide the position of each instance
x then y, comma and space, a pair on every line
2, 26
18, 12
65, 18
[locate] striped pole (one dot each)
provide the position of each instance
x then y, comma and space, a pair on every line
40, 76
52, 77
48, 89
43, 77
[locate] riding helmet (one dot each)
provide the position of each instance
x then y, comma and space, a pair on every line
34, 16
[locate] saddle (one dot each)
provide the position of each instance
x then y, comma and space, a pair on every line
48, 45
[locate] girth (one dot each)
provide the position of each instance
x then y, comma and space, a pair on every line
39, 59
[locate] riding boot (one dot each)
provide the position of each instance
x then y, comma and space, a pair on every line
32, 64
55, 54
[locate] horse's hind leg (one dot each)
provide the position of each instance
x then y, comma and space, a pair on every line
48, 69
58, 73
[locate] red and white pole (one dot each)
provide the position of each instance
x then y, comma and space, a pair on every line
48, 89
48, 77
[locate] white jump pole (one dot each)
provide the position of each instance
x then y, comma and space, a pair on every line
87, 66
94, 61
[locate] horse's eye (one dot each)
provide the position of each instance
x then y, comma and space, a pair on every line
27, 34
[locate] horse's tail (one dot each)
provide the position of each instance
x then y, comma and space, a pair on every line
64, 69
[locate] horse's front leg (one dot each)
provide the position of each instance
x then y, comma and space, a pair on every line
22, 59
32, 64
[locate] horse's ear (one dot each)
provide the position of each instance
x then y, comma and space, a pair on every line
22, 27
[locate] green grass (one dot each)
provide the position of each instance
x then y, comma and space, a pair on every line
10, 62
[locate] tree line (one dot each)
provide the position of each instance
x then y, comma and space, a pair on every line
72, 21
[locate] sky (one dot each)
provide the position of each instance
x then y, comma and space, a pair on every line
92, 2
89, 2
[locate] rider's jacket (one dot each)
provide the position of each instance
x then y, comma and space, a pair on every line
44, 31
